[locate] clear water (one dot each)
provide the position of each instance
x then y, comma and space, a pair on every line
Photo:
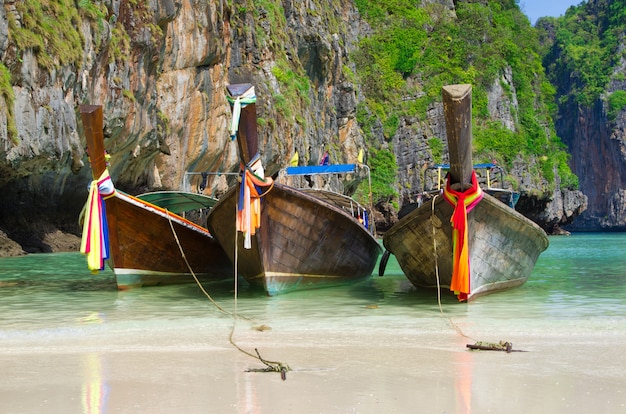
70, 342
579, 281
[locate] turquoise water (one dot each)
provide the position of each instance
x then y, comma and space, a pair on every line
70, 342
579, 281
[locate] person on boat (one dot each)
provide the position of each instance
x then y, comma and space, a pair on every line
325, 159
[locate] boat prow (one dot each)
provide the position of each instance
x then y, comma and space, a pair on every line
483, 247
292, 239
148, 244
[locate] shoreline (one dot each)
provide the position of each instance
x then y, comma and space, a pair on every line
174, 370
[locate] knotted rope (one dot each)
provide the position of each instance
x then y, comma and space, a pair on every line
463, 202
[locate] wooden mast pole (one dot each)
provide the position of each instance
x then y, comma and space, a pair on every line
457, 108
91, 116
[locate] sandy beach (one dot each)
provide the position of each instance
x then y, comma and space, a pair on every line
330, 372
70, 343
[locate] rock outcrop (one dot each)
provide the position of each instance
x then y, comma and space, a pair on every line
160, 68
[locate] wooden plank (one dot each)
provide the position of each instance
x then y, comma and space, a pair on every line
91, 116
457, 108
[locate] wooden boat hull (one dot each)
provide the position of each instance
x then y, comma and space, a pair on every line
303, 242
504, 245
146, 252
149, 245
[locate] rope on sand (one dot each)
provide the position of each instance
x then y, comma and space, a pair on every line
271, 366
479, 345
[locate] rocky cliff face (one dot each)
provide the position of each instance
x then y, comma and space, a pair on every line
551, 210
597, 141
599, 159
159, 68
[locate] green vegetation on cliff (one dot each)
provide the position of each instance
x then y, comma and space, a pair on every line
50, 30
584, 50
416, 49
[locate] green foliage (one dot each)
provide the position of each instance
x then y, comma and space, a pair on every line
91, 10
436, 149
272, 12
365, 119
483, 42
617, 103
494, 138
383, 166
282, 105
50, 30
294, 86
569, 180
6, 90
585, 50
294, 91
119, 44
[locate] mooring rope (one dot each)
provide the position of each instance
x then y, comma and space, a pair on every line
182, 253
432, 220
272, 366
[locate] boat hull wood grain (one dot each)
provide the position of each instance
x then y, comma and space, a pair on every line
302, 243
502, 245
150, 245
298, 241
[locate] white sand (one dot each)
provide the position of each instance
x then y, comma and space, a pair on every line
331, 372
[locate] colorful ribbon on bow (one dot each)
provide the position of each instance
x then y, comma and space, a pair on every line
238, 103
95, 237
463, 202
249, 205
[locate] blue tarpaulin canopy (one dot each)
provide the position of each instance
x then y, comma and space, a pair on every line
322, 169
447, 166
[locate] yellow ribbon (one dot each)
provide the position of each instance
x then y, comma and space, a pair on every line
94, 242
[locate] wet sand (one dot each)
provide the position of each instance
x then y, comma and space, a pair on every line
377, 371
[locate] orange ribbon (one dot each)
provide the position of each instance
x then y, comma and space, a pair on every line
249, 208
463, 202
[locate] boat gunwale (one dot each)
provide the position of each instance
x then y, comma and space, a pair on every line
427, 206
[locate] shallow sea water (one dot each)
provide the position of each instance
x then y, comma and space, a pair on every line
574, 303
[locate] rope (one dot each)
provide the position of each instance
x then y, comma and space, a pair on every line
272, 366
502, 346
182, 253
454, 325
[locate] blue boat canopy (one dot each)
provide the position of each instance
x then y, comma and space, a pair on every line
447, 166
322, 169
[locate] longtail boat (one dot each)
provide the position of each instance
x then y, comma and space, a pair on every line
142, 238
464, 239
282, 238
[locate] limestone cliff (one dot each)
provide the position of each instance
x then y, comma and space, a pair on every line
160, 68
592, 106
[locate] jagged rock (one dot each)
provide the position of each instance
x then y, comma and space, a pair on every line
8, 247
160, 68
